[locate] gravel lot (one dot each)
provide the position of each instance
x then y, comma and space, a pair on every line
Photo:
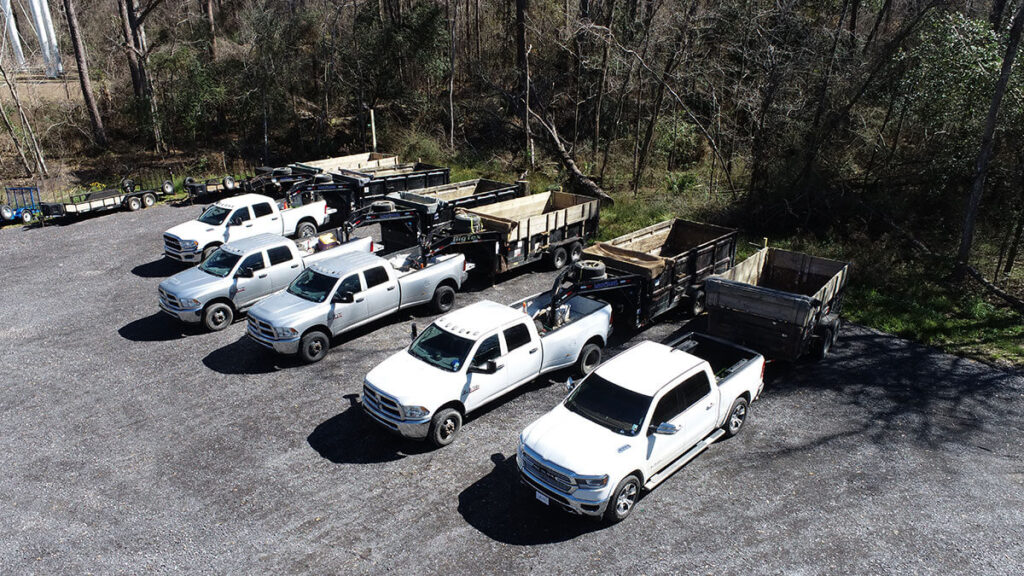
131, 445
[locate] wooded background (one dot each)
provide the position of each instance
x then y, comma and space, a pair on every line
888, 128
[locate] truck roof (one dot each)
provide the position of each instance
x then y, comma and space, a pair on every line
647, 367
243, 200
478, 318
257, 242
343, 264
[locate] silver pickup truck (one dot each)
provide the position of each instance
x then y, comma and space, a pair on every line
346, 292
239, 274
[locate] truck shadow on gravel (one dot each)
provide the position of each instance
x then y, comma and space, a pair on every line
159, 268
351, 438
157, 327
243, 356
502, 509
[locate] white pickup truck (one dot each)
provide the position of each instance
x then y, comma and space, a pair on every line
477, 354
243, 217
241, 273
343, 293
635, 421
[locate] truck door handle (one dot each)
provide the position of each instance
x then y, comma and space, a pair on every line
710, 406
390, 288
534, 350
295, 265
248, 225
263, 275
359, 299
274, 218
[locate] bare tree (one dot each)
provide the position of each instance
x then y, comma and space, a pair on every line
99, 134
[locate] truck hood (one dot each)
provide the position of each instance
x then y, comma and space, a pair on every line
284, 310
413, 382
194, 283
195, 230
573, 442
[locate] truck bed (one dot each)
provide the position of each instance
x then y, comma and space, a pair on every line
724, 357
562, 345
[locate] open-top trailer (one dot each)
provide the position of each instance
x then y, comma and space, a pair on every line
128, 196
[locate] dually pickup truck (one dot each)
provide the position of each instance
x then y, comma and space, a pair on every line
478, 354
635, 421
243, 217
343, 293
239, 274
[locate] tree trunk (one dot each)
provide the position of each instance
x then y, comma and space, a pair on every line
129, 46
995, 17
451, 15
40, 163
659, 97
14, 138
603, 81
524, 73
987, 143
1011, 254
211, 28
99, 134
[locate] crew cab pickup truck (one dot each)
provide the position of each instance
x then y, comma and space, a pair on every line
635, 421
477, 354
239, 274
343, 293
243, 217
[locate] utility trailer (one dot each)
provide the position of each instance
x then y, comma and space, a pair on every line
128, 196
648, 273
22, 204
782, 304
349, 189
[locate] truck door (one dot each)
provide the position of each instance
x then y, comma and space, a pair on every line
345, 314
284, 267
523, 359
265, 219
382, 293
688, 405
247, 289
239, 225
479, 386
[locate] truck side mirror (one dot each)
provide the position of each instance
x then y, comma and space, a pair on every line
244, 273
488, 367
344, 297
666, 429
569, 385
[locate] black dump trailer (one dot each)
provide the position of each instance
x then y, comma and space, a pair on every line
347, 190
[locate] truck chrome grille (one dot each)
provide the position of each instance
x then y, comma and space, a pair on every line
261, 329
381, 403
170, 300
547, 474
172, 243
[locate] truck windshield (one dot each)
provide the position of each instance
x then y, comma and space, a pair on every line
617, 409
442, 349
220, 263
214, 215
312, 286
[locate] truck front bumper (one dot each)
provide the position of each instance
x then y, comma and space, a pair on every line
580, 503
286, 346
182, 256
415, 429
187, 315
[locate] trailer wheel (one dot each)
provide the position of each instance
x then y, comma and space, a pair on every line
589, 358
444, 299
823, 344
697, 302
148, 199
133, 203
305, 230
167, 187
218, 316
737, 416
6, 213
576, 252
26, 216
444, 426
314, 346
229, 183
559, 258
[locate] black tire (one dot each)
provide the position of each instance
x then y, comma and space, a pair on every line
133, 203
444, 299
209, 250
444, 427
590, 357
559, 258
228, 182
167, 187
314, 346
697, 302
737, 416
623, 500
6, 213
591, 269
575, 252
305, 230
823, 344
148, 200
26, 216
382, 206
218, 316
189, 181
466, 222
127, 184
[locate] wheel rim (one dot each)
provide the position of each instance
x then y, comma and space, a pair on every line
624, 503
26, 217
447, 299
577, 252
315, 347
737, 416
560, 259
448, 428
591, 360
219, 317
306, 232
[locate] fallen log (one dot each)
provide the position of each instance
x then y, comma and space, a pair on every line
583, 183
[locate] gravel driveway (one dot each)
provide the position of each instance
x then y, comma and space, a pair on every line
133, 445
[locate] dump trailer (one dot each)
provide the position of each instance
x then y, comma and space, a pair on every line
347, 190
128, 196
782, 304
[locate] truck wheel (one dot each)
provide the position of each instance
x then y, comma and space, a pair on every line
306, 230
589, 358
697, 301
444, 426
623, 499
6, 213
314, 346
576, 252
559, 258
218, 316
133, 203
26, 216
208, 251
737, 416
148, 200
444, 299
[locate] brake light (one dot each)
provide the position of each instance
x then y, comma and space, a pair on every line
371, 245
463, 264
611, 316
763, 365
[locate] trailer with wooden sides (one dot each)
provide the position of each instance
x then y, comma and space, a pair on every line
782, 304
128, 196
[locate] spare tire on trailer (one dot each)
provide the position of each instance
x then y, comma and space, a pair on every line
228, 182
167, 187
6, 213
591, 269
382, 206
467, 222
127, 184
189, 180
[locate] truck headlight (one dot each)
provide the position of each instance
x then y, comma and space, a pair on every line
189, 244
189, 302
592, 482
285, 332
415, 411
